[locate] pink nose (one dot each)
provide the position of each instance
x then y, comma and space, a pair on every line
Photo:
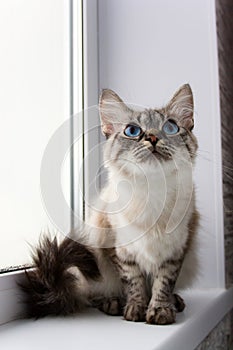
151, 138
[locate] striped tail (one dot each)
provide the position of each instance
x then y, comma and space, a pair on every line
50, 288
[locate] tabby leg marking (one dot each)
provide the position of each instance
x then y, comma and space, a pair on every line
134, 289
163, 304
134, 283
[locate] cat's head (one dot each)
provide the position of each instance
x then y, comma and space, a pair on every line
151, 135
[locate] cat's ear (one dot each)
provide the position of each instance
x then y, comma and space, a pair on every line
113, 112
181, 107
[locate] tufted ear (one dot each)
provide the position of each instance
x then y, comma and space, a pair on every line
113, 112
181, 107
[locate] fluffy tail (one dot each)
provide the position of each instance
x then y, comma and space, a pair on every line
50, 288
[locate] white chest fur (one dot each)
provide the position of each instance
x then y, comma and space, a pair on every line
151, 216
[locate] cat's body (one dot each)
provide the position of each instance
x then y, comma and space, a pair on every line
141, 227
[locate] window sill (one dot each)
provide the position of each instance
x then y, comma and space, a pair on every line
94, 330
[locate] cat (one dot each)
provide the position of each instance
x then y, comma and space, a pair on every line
127, 257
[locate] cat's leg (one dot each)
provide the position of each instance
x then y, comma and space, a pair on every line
163, 304
135, 291
134, 287
134, 303
133, 299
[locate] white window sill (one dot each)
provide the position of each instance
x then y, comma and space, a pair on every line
94, 330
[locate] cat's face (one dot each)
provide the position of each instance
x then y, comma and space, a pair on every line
148, 136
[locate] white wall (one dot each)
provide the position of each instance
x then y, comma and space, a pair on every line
147, 49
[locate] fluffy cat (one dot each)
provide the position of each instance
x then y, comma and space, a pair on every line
127, 257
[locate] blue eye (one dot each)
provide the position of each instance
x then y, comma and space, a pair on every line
132, 131
170, 127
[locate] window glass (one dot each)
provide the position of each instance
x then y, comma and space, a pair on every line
33, 104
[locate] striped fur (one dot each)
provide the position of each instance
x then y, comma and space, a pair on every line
50, 288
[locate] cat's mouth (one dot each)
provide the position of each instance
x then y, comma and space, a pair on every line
158, 150
157, 147
161, 152
157, 154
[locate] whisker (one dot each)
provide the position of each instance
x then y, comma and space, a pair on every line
204, 151
138, 150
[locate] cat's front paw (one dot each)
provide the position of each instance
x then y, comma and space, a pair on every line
160, 315
135, 312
